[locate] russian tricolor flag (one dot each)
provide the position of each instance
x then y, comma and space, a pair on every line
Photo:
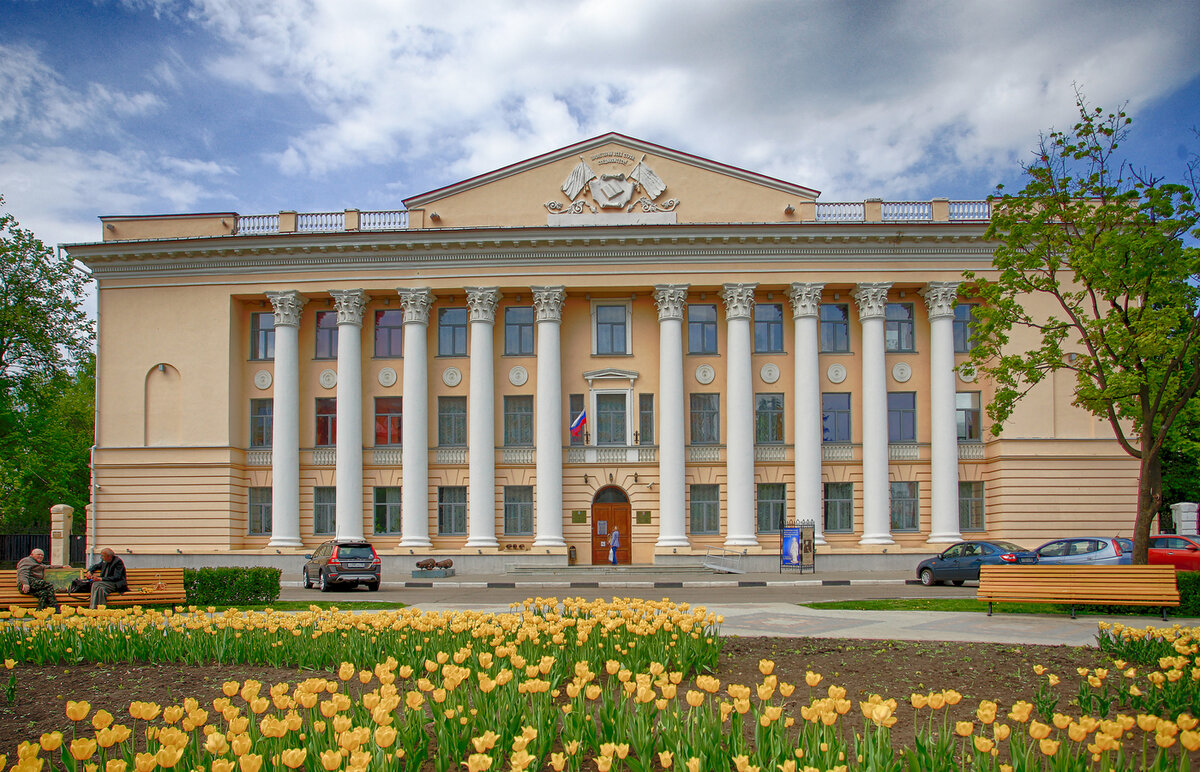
578, 424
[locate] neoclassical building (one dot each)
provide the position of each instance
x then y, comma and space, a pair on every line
611, 337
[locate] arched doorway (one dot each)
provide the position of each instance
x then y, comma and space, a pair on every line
610, 512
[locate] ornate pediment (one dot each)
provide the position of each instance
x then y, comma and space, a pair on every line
610, 374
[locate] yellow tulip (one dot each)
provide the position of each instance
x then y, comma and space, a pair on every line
144, 762
293, 758
1039, 669
216, 744
50, 741
9, 664
230, 688
346, 671
964, 728
385, 736
1189, 739
101, 720
1020, 711
1038, 730
919, 700
76, 711
1146, 722
251, 762
983, 744
692, 764
113, 765
1164, 739
82, 748
811, 678
331, 760
665, 759
766, 666
1048, 746
604, 763
558, 761
240, 744
1061, 721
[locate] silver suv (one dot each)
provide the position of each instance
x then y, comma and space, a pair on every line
346, 562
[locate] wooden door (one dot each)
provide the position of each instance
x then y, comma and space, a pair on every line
609, 515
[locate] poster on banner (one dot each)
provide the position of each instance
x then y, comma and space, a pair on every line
797, 547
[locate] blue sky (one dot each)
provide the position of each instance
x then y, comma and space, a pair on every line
253, 106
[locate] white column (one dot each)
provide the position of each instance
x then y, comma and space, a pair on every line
939, 297
672, 492
348, 511
548, 417
285, 412
414, 452
809, 496
877, 516
739, 418
481, 421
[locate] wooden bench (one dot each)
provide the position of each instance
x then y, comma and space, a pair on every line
1080, 585
147, 586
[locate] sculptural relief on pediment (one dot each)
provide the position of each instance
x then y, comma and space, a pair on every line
612, 187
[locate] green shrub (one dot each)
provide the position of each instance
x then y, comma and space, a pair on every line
231, 586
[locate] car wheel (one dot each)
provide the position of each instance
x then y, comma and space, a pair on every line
927, 577
373, 586
959, 582
307, 582
323, 584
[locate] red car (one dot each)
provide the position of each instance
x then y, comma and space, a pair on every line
1183, 552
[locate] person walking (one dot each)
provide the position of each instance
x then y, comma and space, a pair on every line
108, 576
614, 543
31, 579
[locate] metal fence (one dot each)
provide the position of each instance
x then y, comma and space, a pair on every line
13, 547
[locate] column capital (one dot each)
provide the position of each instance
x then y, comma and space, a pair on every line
483, 302
670, 299
548, 303
739, 300
939, 297
806, 298
350, 305
417, 304
872, 299
287, 305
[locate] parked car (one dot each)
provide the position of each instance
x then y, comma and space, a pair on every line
961, 561
1183, 552
1084, 551
345, 562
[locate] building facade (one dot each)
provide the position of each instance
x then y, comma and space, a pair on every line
614, 336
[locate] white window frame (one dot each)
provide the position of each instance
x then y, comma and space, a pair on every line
628, 305
594, 415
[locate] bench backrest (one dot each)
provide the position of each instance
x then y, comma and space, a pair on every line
1141, 584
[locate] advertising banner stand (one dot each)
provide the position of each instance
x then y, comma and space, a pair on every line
797, 546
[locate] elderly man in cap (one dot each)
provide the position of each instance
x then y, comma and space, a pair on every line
31, 579
108, 576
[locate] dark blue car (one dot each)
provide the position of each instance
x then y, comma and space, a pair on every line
961, 561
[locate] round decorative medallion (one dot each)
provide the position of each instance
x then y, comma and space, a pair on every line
518, 376
387, 377
452, 376
966, 374
836, 373
262, 379
705, 374
328, 378
901, 372
769, 372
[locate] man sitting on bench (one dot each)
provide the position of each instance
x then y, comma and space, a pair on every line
108, 576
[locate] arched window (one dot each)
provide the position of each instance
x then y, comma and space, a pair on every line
611, 495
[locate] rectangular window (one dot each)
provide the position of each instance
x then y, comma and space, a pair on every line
969, 417
324, 509
326, 422
835, 328
702, 328
260, 511
452, 421
898, 327
705, 418
835, 417
452, 332
772, 506
389, 333
970, 505
706, 509
518, 510
261, 412
327, 335
964, 326
387, 510
645, 419
611, 329
904, 506
262, 336
574, 408
768, 328
610, 419
518, 420
452, 510
518, 331
388, 420
768, 419
839, 507
902, 416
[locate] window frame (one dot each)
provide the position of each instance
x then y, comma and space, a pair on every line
518, 512
391, 511
518, 420
846, 503
325, 335
701, 328
600, 423
771, 431
778, 506
575, 406
902, 419
597, 305
452, 423
258, 511
704, 417
521, 327
393, 422
963, 327
835, 417
971, 508
698, 510
326, 419
910, 502
262, 423
452, 513
262, 337
324, 512
842, 324
772, 328
897, 327
645, 419
459, 333
394, 334
963, 415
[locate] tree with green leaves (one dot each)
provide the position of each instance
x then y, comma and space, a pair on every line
46, 372
1112, 250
